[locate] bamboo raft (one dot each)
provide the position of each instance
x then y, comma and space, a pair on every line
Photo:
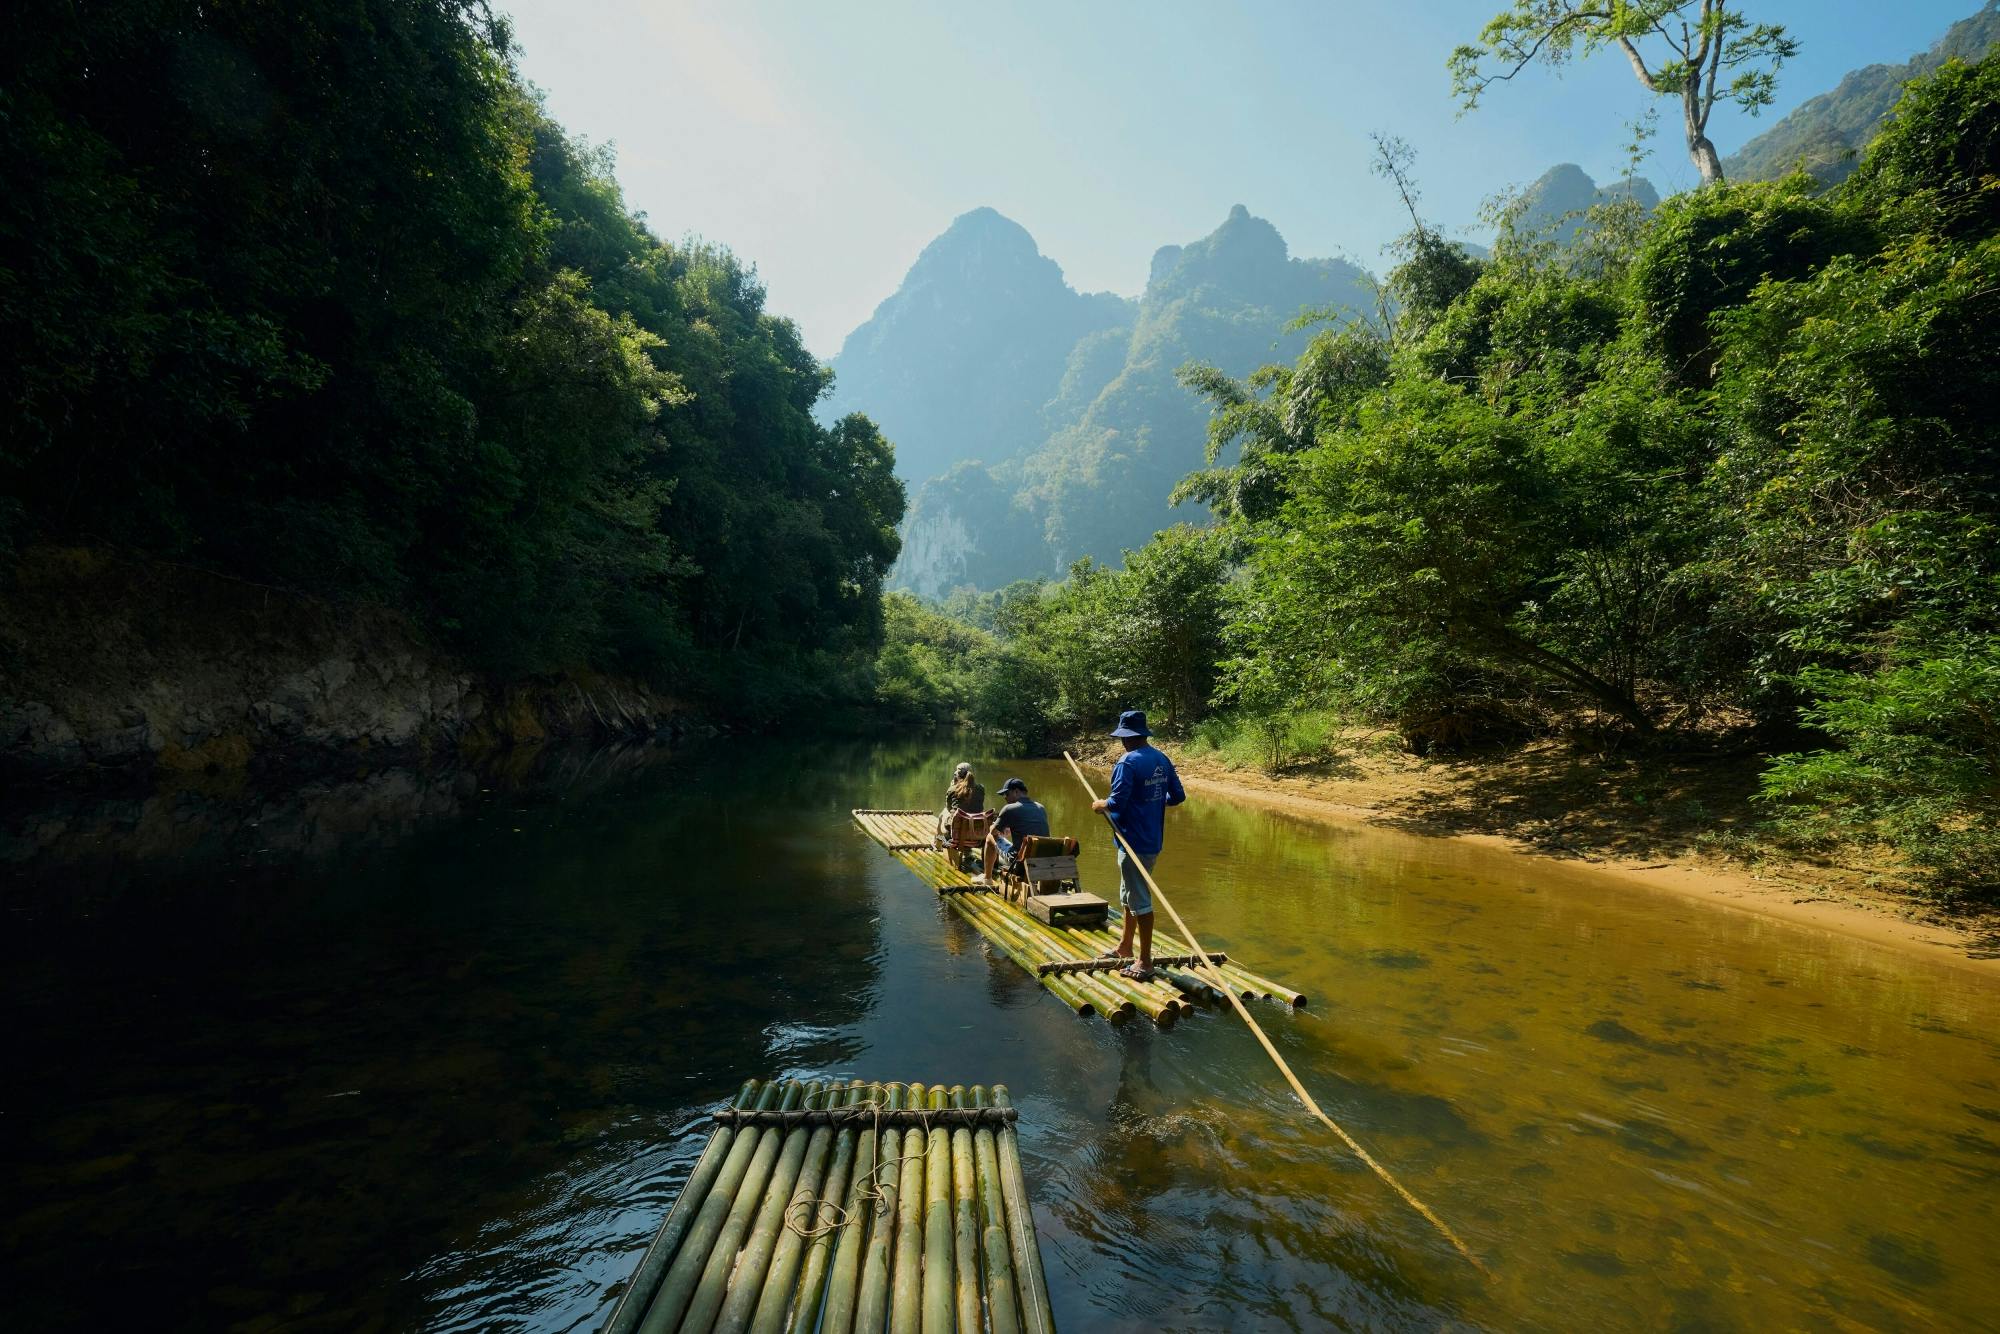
848, 1208
1174, 991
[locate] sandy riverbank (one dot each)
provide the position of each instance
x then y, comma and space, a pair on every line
1676, 825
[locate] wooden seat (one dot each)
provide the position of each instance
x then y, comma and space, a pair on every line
968, 835
1043, 879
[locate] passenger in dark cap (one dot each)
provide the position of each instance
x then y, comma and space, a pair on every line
1022, 817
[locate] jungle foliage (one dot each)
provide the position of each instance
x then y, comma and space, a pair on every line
320, 297
1732, 469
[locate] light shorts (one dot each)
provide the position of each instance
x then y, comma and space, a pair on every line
1133, 894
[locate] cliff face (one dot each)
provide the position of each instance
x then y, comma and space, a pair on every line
959, 361
1825, 134
1120, 430
109, 665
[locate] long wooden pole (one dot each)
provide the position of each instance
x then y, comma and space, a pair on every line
1213, 976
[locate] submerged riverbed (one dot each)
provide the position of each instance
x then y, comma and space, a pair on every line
354, 1069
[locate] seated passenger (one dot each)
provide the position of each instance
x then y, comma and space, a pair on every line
1022, 817
966, 796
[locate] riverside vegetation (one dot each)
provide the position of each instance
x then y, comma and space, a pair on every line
1725, 469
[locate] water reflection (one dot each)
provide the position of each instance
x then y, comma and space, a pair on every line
448, 1074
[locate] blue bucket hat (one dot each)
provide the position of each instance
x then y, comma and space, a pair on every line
1132, 722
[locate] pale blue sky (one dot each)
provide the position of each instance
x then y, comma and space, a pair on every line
828, 142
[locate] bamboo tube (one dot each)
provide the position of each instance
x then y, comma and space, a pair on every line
1034, 948
872, 1296
1003, 1307
1112, 992
815, 1279
1158, 1003
1246, 984
1032, 1283
1105, 1000
744, 1285
1065, 989
774, 1292
906, 1285
677, 1287
1027, 950
965, 1220
713, 1284
645, 1279
1152, 1002
937, 1292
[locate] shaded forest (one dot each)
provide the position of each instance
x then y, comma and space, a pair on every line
320, 297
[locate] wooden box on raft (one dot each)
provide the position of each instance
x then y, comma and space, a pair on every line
842, 1207
1059, 909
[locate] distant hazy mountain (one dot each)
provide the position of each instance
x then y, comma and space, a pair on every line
958, 363
1556, 203
1826, 134
1120, 431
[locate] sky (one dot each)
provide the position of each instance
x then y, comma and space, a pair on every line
827, 142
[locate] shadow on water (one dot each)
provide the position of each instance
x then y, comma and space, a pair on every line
433, 1051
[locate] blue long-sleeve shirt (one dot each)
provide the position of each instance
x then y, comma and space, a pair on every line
1143, 785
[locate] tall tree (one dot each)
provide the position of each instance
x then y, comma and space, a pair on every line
1677, 48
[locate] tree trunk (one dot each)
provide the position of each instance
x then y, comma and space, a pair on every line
1702, 153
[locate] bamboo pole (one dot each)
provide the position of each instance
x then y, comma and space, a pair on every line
835, 1259
906, 1288
872, 1296
1003, 1307
976, 916
713, 1285
645, 1280
1028, 1275
938, 1263
1249, 985
1025, 949
965, 1220
774, 1293
1111, 992
1158, 1003
1271, 1051
677, 1287
1064, 989
744, 1285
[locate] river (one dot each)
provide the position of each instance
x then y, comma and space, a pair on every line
435, 1057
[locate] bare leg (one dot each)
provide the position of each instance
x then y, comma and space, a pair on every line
992, 856
1145, 937
1124, 950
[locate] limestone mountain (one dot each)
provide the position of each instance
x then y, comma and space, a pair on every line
1556, 203
959, 361
1120, 430
1826, 134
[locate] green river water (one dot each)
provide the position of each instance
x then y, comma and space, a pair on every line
432, 1052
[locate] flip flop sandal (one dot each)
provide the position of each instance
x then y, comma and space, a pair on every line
1136, 973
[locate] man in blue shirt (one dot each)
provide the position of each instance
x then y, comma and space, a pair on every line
1143, 785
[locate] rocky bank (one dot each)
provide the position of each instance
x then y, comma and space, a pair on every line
111, 666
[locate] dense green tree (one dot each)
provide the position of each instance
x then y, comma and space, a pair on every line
322, 298
1673, 53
